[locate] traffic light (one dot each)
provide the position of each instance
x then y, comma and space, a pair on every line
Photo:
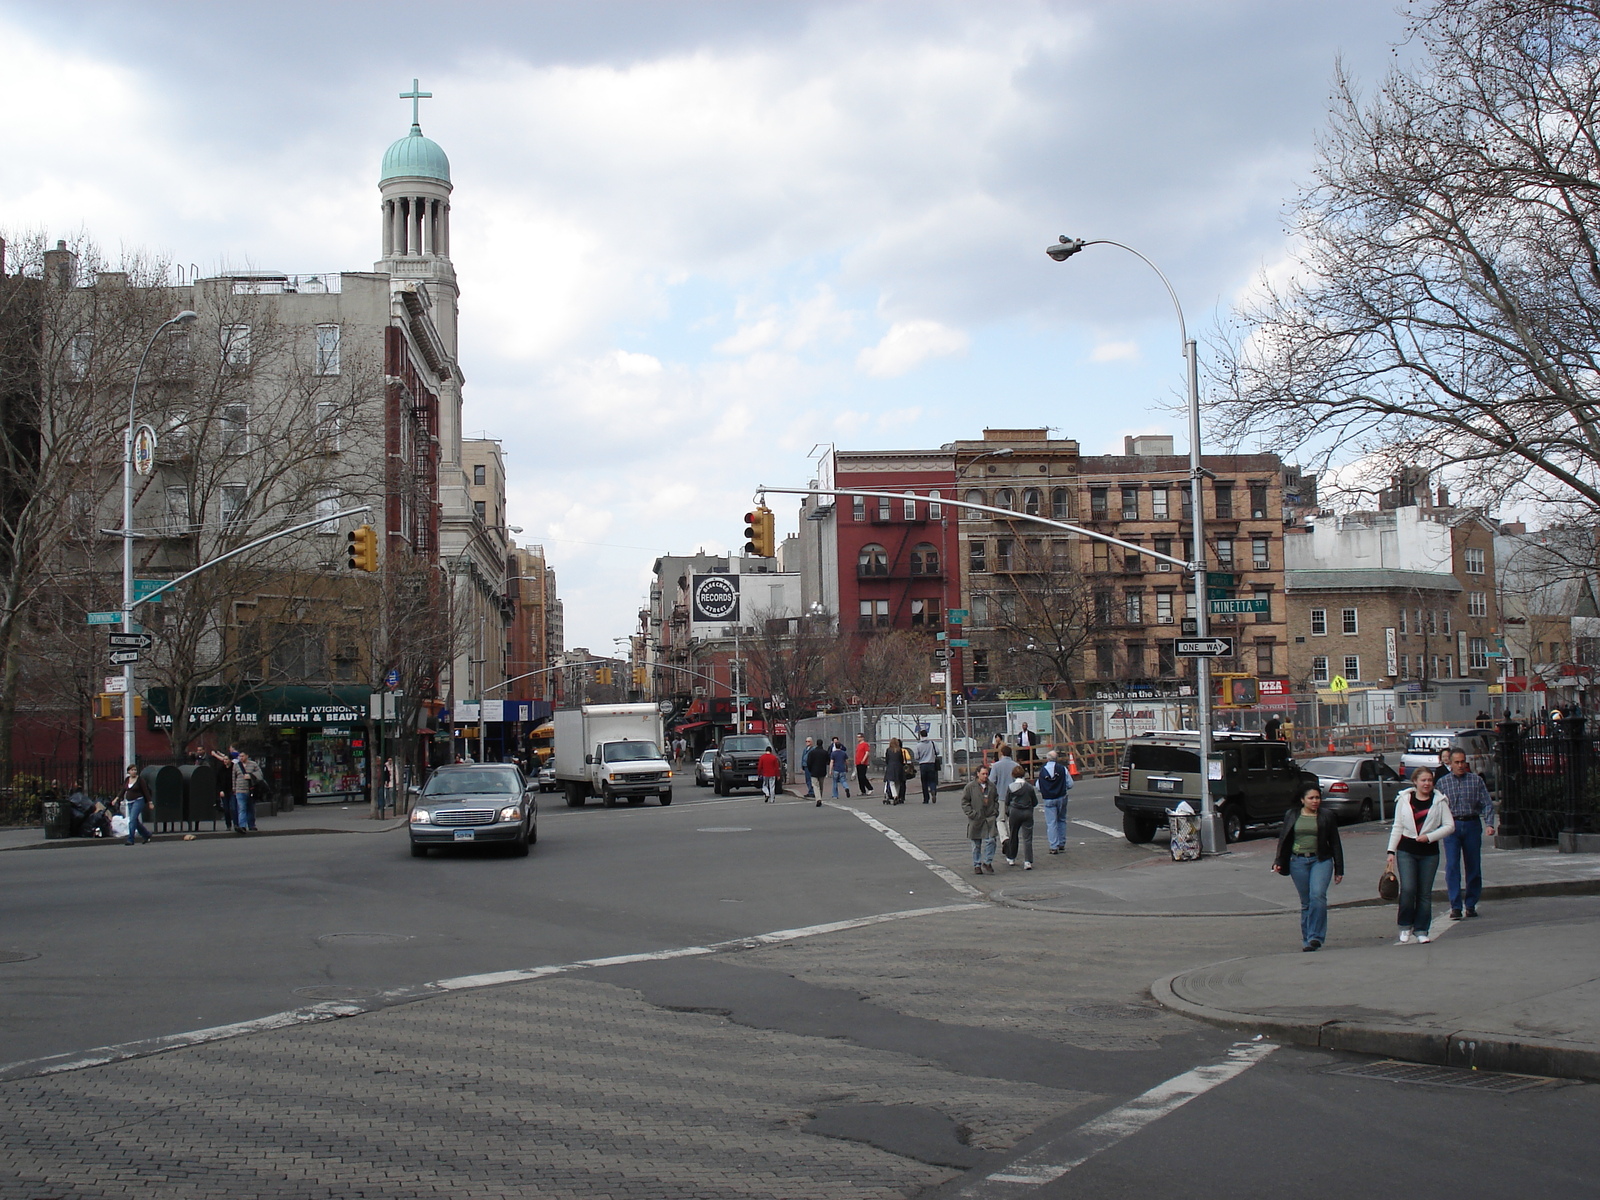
602, 676
760, 528
639, 678
362, 543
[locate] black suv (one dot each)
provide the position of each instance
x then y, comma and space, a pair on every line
736, 761
1253, 780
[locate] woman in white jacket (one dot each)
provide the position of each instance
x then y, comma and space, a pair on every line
1421, 821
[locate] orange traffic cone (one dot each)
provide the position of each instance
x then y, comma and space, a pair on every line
1369, 745
1072, 764
1331, 750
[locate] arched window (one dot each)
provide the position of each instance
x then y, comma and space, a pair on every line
1060, 506
872, 561
935, 510
925, 559
1030, 501
976, 496
1005, 498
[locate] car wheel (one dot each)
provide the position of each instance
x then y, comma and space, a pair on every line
1138, 830
1366, 812
719, 788
608, 798
418, 850
1232, 826
533, 834
666, 799
575, 797
519, 849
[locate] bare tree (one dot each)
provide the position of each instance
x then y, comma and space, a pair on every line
884, 668
788, 662
1039, 610
1443, 308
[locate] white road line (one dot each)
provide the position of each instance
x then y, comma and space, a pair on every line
77, 1060
1097, 828
1075, 1147
916, 852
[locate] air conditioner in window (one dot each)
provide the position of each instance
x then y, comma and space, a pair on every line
1166, 566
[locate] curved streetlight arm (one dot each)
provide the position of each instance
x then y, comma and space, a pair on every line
1067, 247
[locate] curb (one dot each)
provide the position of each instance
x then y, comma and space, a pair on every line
1433, 1047
199, 836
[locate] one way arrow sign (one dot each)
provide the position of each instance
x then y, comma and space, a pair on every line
1217, 647
131, 641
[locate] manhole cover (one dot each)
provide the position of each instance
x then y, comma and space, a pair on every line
363, 939
724, 829
9, 956
1114, 1012
329, 991
1456, 1077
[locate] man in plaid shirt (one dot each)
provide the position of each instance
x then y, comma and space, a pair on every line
1473, 810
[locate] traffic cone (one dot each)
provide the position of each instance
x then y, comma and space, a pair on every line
1072, 764
1331, 750
1369, 746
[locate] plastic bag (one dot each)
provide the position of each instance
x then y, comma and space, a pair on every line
119, 826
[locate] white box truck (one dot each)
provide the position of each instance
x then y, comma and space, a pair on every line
612, 751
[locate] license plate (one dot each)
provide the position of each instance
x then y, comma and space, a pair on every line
1165, 785
466, 835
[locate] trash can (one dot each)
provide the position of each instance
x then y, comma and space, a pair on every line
1185, 829
57, 819
163, 789
200, 793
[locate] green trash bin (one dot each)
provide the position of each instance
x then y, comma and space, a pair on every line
200, 784
163, 789
57, 819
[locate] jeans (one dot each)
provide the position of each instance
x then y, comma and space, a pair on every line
1311, 880
1416, 872
769, 786
930, 781
1055, 822
1464, 847
810, 795
136, 820
861, 779
244, 813
841, 779
982, 851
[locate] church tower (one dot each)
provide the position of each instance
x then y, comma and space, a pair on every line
415, 188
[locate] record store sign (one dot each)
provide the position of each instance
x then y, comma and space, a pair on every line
714, 600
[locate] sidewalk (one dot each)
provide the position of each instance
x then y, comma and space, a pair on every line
305, 819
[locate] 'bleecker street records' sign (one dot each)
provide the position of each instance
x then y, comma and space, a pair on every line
715, 599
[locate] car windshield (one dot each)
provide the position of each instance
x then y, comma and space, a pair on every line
746, 743
708, 756
629, 752
1333, 768
485, 781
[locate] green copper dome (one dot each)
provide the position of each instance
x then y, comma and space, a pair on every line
415, 155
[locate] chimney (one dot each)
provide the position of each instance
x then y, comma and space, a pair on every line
1444, 496
61, 267
1147, 445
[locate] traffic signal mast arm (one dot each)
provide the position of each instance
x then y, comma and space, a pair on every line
988, 508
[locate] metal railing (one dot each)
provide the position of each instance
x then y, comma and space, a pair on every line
1549, 792
26, 784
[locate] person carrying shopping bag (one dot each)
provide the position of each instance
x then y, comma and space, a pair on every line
1421, 821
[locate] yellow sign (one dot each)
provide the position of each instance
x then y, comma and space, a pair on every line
1339, 684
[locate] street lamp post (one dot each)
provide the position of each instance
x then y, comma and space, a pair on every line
181, 321
1210, 840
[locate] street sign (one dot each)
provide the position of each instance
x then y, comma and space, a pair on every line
143, 587
958, 616
1189, 627
960, 642
1338, 684
123, 657
110, 618
391, 678
1211, 647
1217, 593
132, 641
115, 684
1256, 604
1222, 579
144, 450
936, 677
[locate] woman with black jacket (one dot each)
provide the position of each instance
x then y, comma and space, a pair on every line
1309, 852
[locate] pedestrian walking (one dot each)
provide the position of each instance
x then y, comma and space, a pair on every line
927, 756
133, 805
1421, 821
768, 768
1021, 799
1001, 771
1272, 728
1310, 853
1472, 809
863, 757
818, 762
981, 804
244, 775
805, 767
1055, 781
839, 763
894, 773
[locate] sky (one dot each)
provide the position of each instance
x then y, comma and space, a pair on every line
699, 243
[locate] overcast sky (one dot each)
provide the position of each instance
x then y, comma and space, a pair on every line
695, 240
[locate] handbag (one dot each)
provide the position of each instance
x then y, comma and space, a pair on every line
1388, 885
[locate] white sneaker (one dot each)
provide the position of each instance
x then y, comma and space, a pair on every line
1405, 935
1011, 862
1027, 866
1422, 937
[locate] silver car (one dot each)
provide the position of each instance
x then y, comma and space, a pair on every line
1356, 787
476, 804
705, 768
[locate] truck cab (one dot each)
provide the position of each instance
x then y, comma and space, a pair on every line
736, 761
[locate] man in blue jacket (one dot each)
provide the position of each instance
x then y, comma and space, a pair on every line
1054, 783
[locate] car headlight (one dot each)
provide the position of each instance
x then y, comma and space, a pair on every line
613, 777
511, 813
420, 816
669, 774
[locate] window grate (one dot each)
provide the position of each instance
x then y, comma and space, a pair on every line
1456, 1077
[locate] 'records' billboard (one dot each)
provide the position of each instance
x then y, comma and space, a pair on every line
714, 600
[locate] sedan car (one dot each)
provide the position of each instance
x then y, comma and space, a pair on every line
1356, 787
705, 768
476, 804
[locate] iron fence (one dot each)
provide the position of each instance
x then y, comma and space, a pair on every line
25, 786
1549, 792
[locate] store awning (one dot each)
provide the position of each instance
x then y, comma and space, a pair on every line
689, 725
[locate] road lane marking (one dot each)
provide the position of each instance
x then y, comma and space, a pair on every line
916, 852
1075, 1147
55, 1064
1098, 828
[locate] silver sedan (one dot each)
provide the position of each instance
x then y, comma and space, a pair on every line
1356, 787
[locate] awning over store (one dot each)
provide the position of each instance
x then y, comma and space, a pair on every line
689, 725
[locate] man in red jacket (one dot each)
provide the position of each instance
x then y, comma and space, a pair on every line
863, 756
768, 768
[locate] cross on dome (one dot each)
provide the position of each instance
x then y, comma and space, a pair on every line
416, 96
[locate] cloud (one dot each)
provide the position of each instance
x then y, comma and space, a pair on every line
1107, 352
909, 344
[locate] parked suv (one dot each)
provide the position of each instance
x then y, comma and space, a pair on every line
1254, 781
1422, 750
735, 765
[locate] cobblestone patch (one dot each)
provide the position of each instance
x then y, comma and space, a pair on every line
562, 1088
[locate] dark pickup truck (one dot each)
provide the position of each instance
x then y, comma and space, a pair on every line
737, 757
